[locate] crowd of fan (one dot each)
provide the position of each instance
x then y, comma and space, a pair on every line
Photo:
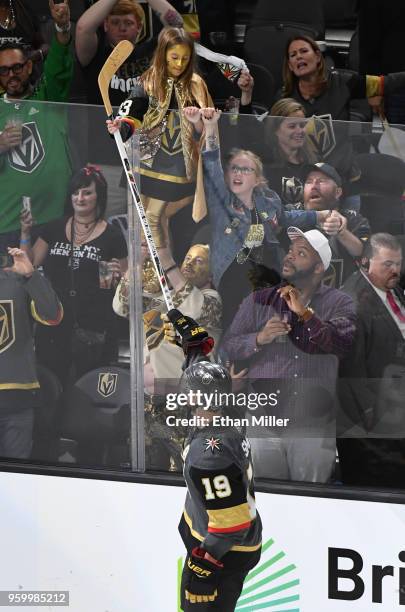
275, 229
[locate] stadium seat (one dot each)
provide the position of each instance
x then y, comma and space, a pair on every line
307, 14
97, 417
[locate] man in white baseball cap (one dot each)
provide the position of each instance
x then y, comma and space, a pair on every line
317, 240
291, 338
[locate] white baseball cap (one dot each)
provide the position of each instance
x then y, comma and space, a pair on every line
317, 240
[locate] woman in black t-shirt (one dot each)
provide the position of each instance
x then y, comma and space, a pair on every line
81, 255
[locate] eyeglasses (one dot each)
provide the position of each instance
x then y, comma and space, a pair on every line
242, 170
15, 69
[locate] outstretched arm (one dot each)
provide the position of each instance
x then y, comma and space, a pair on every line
166, 13
86, 29
210, 118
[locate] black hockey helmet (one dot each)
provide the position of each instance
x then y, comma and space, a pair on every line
206, 377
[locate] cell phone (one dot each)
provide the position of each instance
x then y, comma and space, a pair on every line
6, 261
26, 203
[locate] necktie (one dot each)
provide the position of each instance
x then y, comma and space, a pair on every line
394, 307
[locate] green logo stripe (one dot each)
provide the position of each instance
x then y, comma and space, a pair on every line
277, 589
257, 585
270, 604
264, 566
267, 545
180, 562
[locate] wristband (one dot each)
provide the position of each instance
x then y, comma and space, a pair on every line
25, 240
63, 29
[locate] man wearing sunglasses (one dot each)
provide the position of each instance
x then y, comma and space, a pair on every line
33, 148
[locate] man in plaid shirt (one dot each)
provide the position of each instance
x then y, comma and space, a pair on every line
293, 336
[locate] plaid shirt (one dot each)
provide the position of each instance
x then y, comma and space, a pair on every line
308, 358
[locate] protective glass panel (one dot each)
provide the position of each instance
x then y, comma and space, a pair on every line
303, 321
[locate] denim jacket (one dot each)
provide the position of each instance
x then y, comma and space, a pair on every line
230, 219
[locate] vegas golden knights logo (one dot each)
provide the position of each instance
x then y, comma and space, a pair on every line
7, 327
321, 135
171, 139
107, 383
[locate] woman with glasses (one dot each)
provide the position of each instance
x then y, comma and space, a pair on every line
245, 218
82, 255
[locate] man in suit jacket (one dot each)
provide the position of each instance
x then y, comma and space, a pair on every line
372, 385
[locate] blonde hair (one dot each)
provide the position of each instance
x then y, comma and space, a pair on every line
206, 247
285, 107
262, 181
289, 78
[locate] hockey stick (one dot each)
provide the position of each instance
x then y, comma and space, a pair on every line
194, 337
114, 61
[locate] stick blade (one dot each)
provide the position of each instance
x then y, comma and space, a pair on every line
116, 58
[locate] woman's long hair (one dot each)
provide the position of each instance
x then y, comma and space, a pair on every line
289, 78
154, 78
280, 111
83, 178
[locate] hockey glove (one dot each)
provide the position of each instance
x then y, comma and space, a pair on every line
201, 578
193, 336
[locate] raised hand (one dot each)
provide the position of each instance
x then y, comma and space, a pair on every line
113, 126
292, 296
192, 114
26, 222
334, 223
60, 13
210, 116
22, 264
245, 81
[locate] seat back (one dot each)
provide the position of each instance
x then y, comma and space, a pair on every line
264, 90
307, 13
97, 413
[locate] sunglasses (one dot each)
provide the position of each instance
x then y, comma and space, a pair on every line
15, 69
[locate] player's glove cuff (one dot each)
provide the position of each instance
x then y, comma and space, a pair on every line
202, 577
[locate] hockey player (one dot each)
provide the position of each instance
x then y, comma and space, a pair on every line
219, 526
25, 296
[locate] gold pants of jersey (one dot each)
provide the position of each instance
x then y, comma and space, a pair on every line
158, 213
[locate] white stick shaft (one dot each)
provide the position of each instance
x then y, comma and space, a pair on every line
144, 221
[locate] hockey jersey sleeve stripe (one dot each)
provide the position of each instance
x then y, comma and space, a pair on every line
234, 529
49, 322
235, 548
226, 520
374, 86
